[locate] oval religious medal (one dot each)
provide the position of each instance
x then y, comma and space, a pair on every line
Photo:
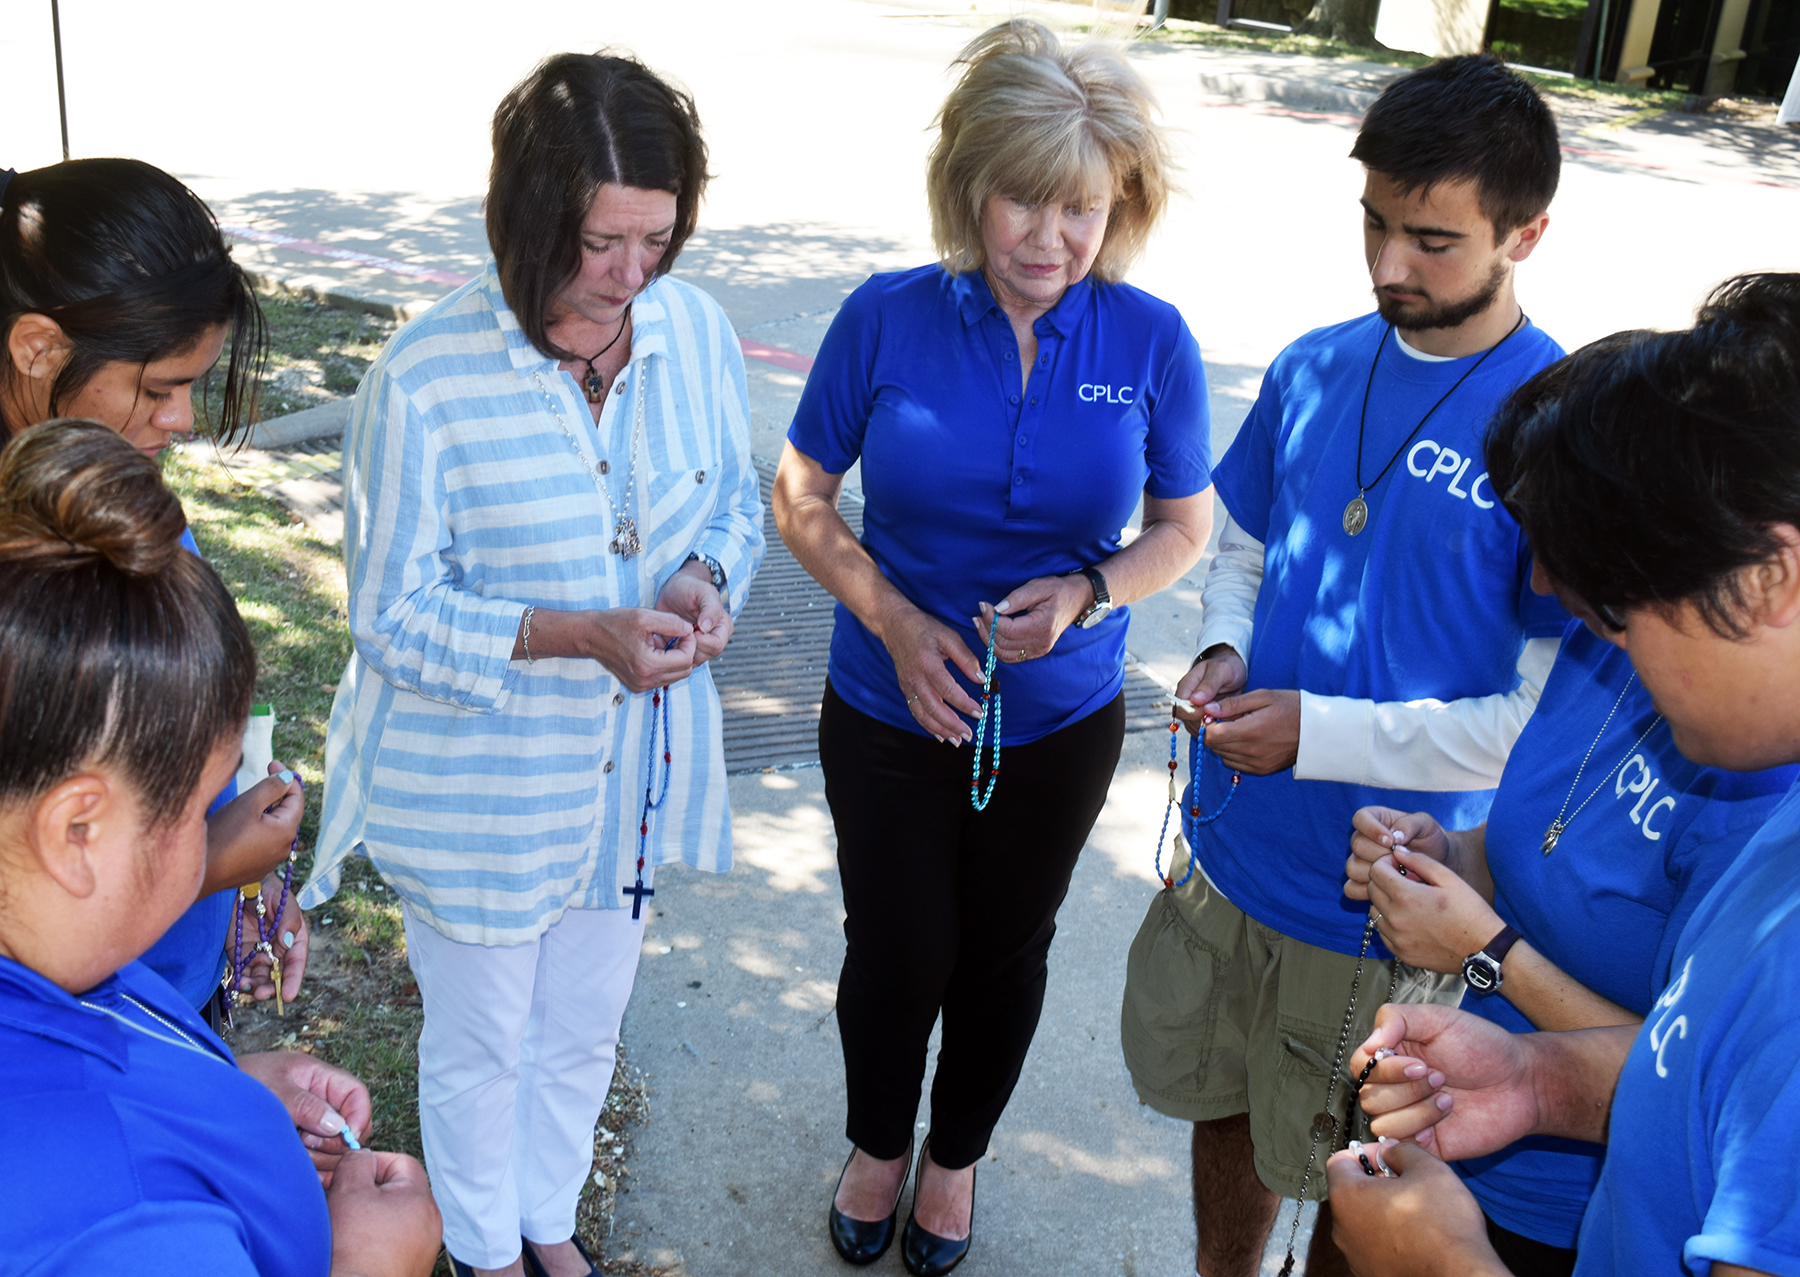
1356, 515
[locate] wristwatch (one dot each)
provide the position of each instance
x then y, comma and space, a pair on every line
1102, 603
715, 571
1482, 970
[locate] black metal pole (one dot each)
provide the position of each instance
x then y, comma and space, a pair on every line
62, 104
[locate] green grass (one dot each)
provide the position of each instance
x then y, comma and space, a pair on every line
1207, 35
360, 1008
317, 353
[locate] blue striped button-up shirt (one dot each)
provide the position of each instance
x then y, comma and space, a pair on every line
492, 794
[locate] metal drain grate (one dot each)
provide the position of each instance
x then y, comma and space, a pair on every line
771, 677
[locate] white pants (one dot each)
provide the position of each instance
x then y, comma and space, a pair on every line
515, 1060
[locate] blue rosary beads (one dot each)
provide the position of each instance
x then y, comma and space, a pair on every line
1191, 820
978, 799
653, 799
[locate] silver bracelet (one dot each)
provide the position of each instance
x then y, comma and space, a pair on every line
526, 637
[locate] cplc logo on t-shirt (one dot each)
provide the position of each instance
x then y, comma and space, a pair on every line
1662, 1027
1444, 460
1096, 392
1635, 777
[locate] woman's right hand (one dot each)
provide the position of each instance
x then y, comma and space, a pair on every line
920, 646
1374, 832
634, 645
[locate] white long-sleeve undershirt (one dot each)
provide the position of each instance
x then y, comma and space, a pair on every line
1422, 745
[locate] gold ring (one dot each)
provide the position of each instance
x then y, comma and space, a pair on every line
1021, 654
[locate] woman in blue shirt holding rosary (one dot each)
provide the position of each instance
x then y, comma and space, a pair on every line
1563, 909
1009, 405
125, 677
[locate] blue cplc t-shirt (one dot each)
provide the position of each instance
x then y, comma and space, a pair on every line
191, 954
976, 480
149, 1151
1701, 1163
1607, 905
1432, 600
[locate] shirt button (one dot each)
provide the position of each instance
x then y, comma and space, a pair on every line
1018, 480
608, 766
605, 468
1021, 441
1007, 356
618, 698
699, 476
619, 386
1013, 399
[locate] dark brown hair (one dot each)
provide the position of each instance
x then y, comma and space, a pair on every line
579, 121
132, 266
118, 647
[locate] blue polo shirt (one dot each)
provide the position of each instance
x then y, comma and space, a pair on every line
977, 479
1607, 905
1432, 600
137, 1151
1701, 1164
191, 954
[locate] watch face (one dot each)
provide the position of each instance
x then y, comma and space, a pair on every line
1481, 972
1095, 615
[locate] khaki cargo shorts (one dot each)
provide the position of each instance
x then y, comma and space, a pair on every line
1224, 1016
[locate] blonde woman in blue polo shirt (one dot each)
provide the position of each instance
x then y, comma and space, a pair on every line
549, 504
1009, 405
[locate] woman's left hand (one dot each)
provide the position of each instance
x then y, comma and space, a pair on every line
1034, 616
694, 600
320, 1098
259, 976
1429, 917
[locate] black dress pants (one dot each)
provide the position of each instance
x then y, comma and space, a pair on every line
950, 911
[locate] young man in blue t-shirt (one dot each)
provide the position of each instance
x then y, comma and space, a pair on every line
1659, 477
1398, 650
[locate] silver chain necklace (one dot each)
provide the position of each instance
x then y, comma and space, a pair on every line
1554, 833
625, 542
181, 1039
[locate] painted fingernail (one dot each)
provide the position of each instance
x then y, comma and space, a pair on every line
1415, 1071
332, 1122
1002, 606
287, 939
285, 777
1443, 1103
1435, 1080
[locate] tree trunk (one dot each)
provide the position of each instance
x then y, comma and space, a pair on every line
1351, 21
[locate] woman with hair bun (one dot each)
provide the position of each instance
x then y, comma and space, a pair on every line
125, 677
117, 296
1009, 404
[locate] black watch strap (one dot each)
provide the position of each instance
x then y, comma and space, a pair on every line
1101, 593
1498, 947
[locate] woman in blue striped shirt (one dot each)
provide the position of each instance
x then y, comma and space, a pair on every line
550, 513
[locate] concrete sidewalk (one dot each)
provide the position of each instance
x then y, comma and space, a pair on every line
732, 1022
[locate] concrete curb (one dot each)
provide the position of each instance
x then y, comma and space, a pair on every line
308, 423
1305, 95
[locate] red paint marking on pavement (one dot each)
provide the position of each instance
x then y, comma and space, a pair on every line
346, 255
789, 359
792, 360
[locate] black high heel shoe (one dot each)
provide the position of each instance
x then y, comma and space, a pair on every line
926, 1254
859, 1241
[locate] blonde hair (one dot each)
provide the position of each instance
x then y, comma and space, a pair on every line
1033, 121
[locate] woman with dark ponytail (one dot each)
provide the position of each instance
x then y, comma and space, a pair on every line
117, 297
125, 677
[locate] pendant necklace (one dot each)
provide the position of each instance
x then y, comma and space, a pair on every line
1554, 833
1188, 832
1356, 514
625, 542
989, 693
653, 795
592, 384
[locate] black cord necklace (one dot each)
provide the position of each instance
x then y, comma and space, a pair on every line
1356, 514
592, 385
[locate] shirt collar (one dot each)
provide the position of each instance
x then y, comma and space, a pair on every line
650, 324
31, 1004
975, 301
